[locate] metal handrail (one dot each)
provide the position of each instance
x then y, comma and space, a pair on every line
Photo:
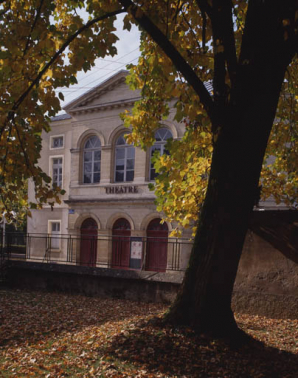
39, 247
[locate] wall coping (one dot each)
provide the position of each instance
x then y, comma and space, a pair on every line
174, 277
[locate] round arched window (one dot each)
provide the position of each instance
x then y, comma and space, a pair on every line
91, 160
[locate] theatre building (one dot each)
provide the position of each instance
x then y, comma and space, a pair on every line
107, 218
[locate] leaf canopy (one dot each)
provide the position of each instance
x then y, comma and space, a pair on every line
44, 43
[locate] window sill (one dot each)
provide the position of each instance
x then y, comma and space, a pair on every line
89, 184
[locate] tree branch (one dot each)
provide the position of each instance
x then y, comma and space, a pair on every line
225, 58
35, 82
227, 27
205, 7
33, 25
59, 52
220, 14
27, 160
4, 10
170, 50
178, 9
204, 31
4, 158
193, 33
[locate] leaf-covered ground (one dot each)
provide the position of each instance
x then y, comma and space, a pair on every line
57, 335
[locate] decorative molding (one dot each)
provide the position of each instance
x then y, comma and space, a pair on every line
106, 147
110, 200
106, 106
74, 150
79, 105
120, 214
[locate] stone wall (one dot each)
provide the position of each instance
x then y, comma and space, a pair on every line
123, 284
267, 278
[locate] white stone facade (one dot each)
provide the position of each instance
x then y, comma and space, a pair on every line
96, 114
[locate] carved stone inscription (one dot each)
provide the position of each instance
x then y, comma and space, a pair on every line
121, 189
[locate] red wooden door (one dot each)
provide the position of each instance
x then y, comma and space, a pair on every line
157, 246
121, 244
88, 251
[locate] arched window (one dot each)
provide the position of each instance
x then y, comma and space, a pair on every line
124, 160
91, 161
161, 137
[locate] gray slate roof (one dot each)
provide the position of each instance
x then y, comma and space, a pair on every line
60, 117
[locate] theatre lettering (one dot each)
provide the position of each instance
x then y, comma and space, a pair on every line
121, 189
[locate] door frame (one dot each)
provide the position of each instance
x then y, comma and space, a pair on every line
90, 242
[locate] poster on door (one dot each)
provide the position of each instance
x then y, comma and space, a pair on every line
136, 249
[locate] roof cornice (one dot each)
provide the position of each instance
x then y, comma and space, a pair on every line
106, 106
78, 104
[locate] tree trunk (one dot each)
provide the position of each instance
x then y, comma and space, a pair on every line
204, 300
242, 130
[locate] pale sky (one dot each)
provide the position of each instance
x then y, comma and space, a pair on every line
128, 52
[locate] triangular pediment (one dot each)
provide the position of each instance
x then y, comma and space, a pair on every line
110, 93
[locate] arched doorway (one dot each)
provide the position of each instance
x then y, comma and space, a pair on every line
121, 244
88, 250
157, 246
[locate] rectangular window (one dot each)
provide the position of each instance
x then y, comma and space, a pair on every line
57, 141
57, 171
55, 235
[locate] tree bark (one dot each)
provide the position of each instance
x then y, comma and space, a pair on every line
242, 126
204, 300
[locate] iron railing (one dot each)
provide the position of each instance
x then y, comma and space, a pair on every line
2, 257
106, 251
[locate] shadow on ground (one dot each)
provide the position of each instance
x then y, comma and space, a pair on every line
180, 353
56, 335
